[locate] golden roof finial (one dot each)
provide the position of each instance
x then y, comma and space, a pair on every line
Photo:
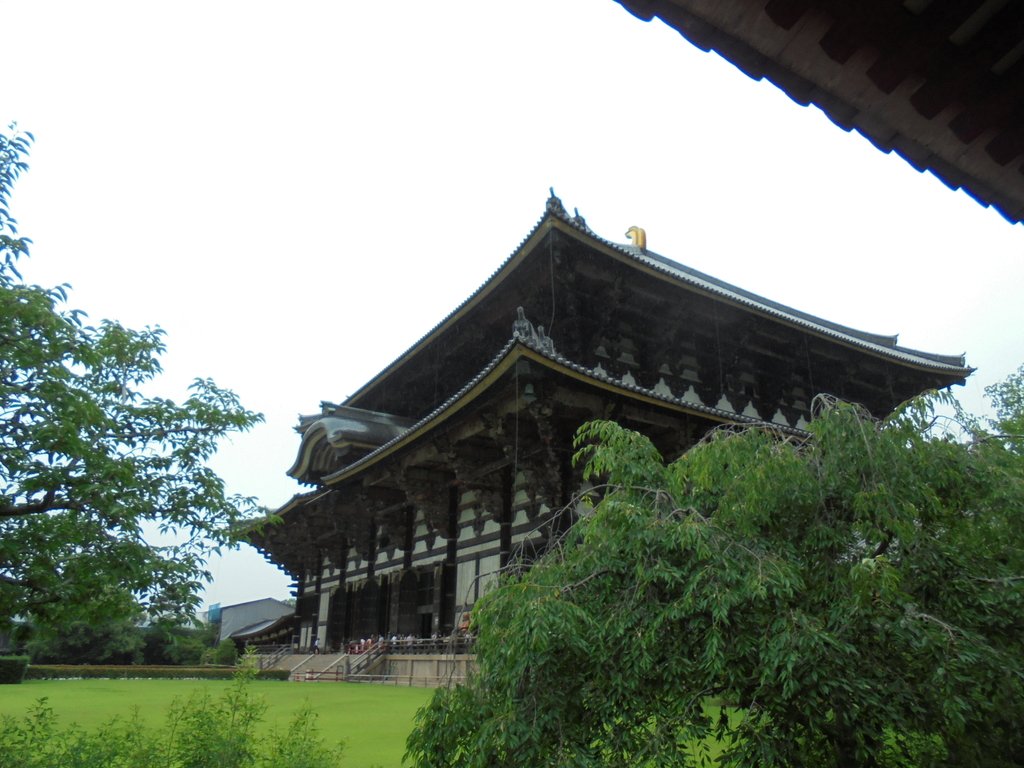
638, 237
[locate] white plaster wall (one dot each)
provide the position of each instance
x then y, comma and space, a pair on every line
465, 587
489, 572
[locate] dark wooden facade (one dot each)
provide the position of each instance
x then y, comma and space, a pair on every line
455, 461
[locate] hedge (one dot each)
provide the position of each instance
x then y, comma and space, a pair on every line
12, 669
70, 671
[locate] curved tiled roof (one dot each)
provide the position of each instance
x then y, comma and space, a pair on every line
343, 426
874, 342
555, 213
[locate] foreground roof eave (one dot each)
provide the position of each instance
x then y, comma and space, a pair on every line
511, 353
353, 427
850, 87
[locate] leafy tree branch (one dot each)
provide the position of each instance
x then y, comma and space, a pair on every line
852, 599
91, 465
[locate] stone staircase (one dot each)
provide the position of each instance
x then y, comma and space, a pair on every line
415, 663
310, 666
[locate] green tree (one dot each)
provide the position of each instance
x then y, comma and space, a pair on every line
117, 641
852, 599
226, 652
1008, 399
182, 644
90, 464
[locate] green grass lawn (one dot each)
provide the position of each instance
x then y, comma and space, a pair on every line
372, 720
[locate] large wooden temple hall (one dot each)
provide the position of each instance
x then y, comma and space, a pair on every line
455, 461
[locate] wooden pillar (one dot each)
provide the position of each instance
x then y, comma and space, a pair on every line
368, 597
447, 616
410, 538
403, 599
507, 516
317, 592
336, 617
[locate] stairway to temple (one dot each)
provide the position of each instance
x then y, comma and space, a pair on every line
304, 666
420, 663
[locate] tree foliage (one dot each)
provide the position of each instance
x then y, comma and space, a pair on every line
178, 644
118, 641
122, 640
91, 465
852, 599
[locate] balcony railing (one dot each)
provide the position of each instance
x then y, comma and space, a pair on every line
449, 645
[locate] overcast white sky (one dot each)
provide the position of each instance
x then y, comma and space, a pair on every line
297, 191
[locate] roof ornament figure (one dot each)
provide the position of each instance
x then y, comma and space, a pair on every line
638, 237
521, 327
578, 220
554, 205
544, 342
523, 330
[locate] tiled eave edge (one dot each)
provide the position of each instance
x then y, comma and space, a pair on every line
693, 279
515, 350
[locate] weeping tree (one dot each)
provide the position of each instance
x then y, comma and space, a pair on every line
855, 598
92, 466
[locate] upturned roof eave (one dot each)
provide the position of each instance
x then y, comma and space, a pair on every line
345, 426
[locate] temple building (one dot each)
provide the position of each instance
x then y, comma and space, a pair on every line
454, 462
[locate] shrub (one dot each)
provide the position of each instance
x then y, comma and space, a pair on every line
219, 733
70, 671
12, 669
200, 732
36, 741
226, 653
299, 745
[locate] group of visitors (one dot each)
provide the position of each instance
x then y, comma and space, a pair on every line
409, 643
364, 645
395, 644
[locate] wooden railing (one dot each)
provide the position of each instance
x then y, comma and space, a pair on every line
412, 681
358, 664
450, 645
363, 660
